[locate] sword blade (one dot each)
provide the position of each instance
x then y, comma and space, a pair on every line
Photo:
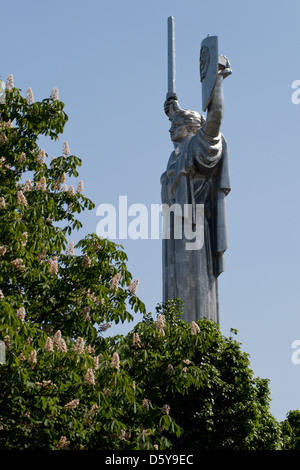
171, 59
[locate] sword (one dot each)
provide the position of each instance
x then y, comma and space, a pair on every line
171, 60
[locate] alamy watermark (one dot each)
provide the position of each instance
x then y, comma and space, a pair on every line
296, 94
295, 358
296, 354
161, 221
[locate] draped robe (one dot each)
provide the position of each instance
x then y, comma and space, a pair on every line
198, 174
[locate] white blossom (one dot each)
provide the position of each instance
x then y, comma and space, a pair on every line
66, 149
63, 444
71, 190
54, 94
170, 370
96, 362
42, 254
195, 328
136, 340
18, 264
146, 403
56, 186
61, 346
79, 345
53, 265
28, 185
90, 377
41, 156
86, 260
25, 238
7, 342
45, 383
57, 338
59, 342
115, 362
72, 404
80, 187
10, 82
114, 283
86, 312
21, 198
29, 96
133, 286
161, 321
41, 185
49, 345
3, 141
161, 324
2, 250
32, 357
21, 314
70, 248
165, 409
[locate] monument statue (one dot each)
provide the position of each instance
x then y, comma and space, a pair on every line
196, 176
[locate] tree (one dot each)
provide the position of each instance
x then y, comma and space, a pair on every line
61, 385
291, 431
205, 382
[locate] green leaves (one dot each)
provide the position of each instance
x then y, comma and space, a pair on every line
212, 398
63, 385
54, 395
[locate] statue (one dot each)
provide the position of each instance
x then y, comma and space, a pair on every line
197, 176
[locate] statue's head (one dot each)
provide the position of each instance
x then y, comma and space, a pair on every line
185, 122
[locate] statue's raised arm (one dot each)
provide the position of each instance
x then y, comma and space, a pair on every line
213, 69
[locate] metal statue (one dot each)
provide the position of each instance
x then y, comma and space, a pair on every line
196, 177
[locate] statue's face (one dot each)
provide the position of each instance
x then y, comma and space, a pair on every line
178, 130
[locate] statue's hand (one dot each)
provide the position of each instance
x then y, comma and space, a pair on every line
171, 105
224, 66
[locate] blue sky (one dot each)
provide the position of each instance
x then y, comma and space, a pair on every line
109, 61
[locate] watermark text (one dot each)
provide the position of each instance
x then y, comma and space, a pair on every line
161, 221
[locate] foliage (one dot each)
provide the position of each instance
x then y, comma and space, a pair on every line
291, 431
63, 385
55, 304
205, 380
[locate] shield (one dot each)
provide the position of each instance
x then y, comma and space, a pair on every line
209, 65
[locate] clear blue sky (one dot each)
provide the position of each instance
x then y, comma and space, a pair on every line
109, 61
